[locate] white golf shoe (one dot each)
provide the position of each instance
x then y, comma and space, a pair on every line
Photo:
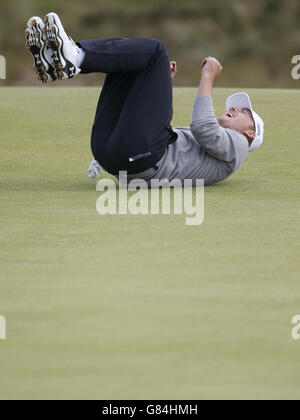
65, 51
41, 53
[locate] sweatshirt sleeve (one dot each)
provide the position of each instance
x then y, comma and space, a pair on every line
223, 144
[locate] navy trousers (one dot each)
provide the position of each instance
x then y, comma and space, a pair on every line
131, 130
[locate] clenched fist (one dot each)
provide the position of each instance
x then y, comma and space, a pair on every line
211, 67
173, 68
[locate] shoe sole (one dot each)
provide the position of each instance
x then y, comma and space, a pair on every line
63, 68
35, 44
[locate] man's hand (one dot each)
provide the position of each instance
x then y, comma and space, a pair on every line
94, 170
173, 67
211, 67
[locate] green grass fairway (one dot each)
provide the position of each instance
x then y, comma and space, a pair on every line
145, 307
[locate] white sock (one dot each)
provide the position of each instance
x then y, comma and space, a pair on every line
80, 57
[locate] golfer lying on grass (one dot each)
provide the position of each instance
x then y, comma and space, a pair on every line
132, 130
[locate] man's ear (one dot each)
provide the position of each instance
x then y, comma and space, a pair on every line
250, 134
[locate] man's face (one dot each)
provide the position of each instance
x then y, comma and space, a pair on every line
239, 119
